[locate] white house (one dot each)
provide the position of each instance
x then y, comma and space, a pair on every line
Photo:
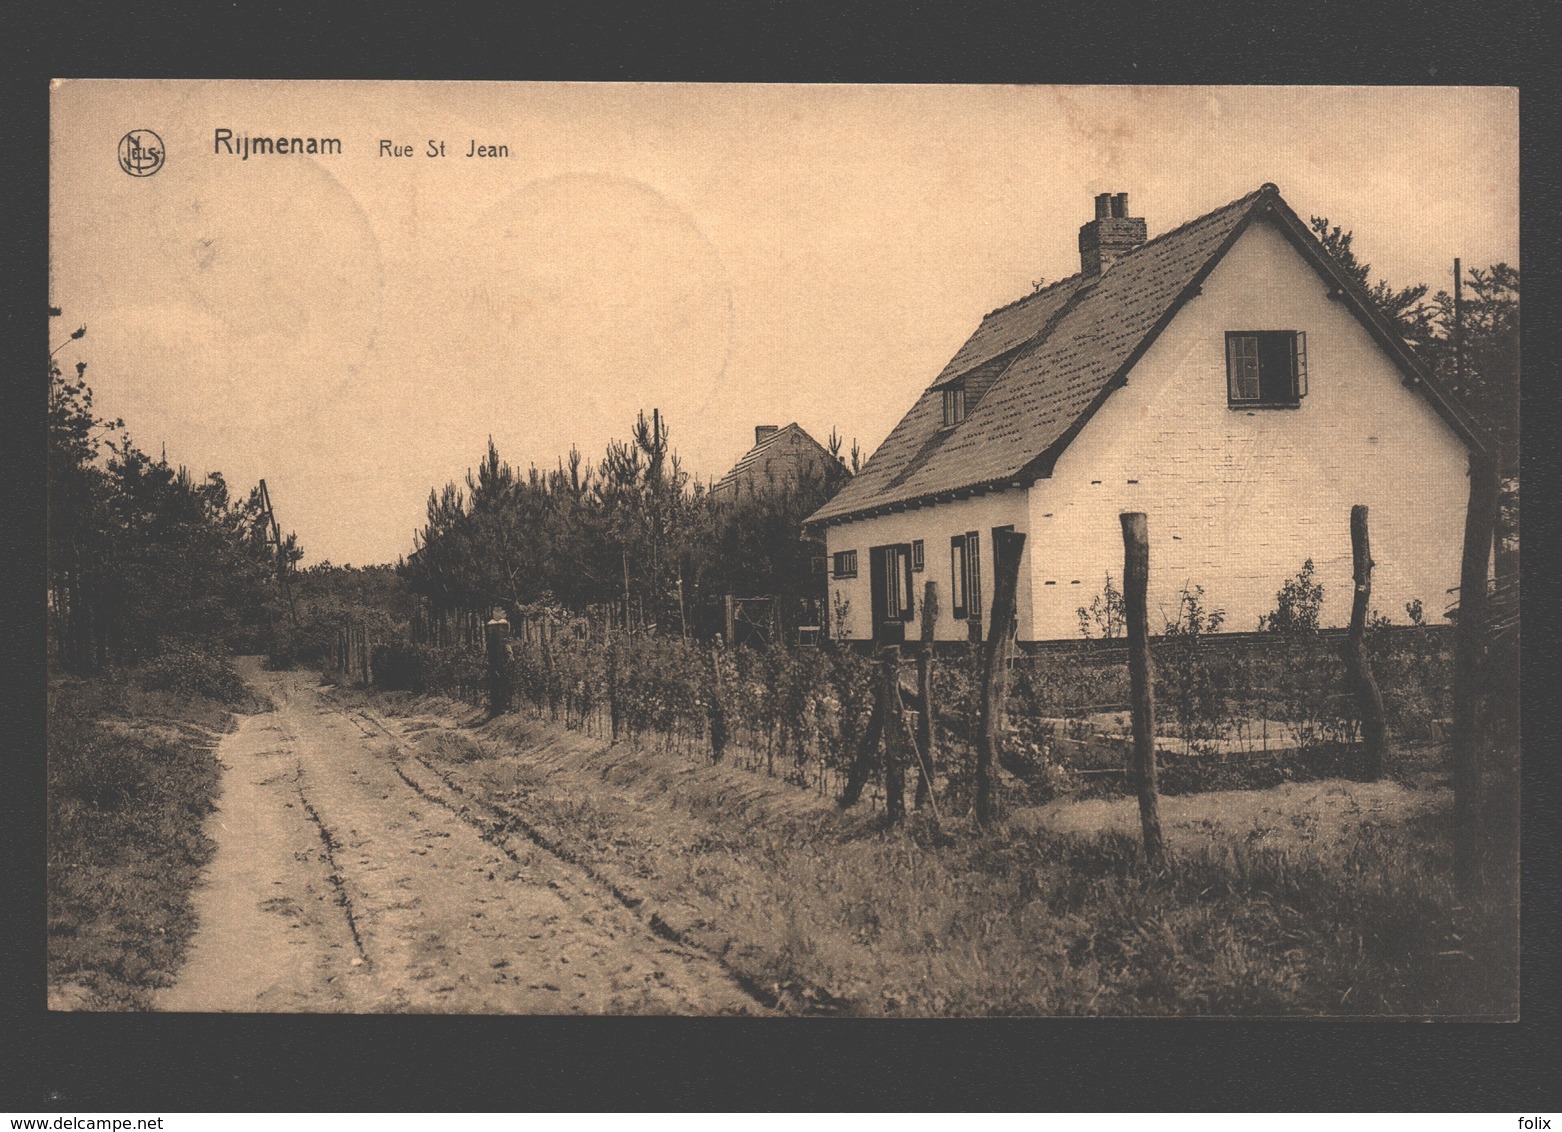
1225, 378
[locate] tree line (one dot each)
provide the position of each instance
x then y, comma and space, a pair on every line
142, 555
1476, 356
632, 530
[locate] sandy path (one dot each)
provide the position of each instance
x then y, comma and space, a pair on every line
345, 880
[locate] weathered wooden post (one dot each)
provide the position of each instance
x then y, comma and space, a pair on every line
925, 718
718, 704
862, 765
497, 636
1007, 548
894, 714
1369, 698
1469, 647
613, 712
1136, 580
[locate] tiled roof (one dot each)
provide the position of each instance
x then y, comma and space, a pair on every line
1057, 354
755, 456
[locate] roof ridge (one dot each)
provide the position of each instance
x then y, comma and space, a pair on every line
1153, 240
1266, 186
748, 458
1033, 295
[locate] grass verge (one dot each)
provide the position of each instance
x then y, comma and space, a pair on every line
132, 776
830, 912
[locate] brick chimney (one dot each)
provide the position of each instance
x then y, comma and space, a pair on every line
1110, 236
764, 430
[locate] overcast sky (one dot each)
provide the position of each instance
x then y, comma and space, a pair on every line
353, 328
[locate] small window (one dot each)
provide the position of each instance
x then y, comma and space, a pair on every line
1266, 368
918, 561
965, 576
954, 405
846, 564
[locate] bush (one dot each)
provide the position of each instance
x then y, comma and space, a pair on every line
192, 672
1298, 604
402, 667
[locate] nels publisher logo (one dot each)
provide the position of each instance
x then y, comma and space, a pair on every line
141, 153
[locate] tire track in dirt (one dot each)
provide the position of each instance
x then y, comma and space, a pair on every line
501, 820
435, 916
335, 875
266, 940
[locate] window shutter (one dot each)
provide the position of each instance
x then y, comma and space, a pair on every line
957, 577
973, 551
905, 572
1299, 362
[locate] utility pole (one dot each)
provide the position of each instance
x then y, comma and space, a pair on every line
274, 540
1458, 328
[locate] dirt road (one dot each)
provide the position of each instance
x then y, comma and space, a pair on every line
346, 878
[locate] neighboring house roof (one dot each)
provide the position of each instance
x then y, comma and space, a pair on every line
1039, 368
792, 442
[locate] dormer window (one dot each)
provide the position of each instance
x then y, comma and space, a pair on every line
954, 405
1266, 368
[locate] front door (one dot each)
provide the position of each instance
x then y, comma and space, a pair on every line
891, 591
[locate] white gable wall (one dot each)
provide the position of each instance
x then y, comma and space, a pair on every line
935, 526
1238, 499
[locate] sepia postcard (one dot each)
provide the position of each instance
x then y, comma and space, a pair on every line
767, 550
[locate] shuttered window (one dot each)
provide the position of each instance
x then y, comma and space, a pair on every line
1266, 368
965, 575
957, 577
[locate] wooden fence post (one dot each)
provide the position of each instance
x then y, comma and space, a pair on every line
925, 718
1136, 580
497, 637
862, 765
894, 717
1469, 647
1369, 698
1007, 548
612, 683
718, 704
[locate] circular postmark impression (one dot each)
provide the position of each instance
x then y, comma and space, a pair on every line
141, 153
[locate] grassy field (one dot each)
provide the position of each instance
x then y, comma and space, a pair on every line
132, 777
1329, 898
